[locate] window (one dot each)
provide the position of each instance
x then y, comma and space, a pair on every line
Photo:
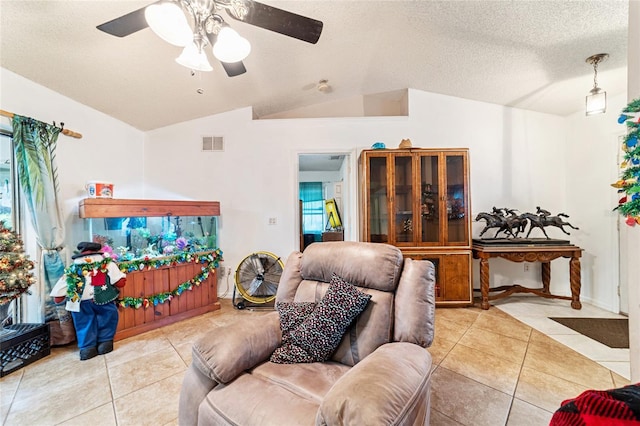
9, 201
8, 182
312, 208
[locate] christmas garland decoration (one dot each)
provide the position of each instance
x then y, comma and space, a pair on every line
77, 271
629, 182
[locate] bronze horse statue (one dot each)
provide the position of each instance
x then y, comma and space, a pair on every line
509, 222
497, 221
541, 221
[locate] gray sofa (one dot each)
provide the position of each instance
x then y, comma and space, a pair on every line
380, 373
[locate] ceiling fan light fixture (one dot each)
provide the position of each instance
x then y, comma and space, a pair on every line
596, 100
230, 47
169, 22
194, 58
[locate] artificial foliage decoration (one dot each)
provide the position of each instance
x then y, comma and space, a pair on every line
15, 266
209, 259
629, 183
77, 271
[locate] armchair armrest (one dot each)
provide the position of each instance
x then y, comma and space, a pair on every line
391, 386
227, 351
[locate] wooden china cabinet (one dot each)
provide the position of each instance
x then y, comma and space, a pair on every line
418, 200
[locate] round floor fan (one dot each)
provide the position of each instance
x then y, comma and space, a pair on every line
257, 278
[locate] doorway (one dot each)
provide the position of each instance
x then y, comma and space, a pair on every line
324, 194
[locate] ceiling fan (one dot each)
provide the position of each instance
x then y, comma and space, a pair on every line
196, 24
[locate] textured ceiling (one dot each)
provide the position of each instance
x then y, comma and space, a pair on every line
529, 54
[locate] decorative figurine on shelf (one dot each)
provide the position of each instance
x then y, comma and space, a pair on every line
90, 286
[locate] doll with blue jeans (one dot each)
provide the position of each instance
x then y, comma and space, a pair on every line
91, 299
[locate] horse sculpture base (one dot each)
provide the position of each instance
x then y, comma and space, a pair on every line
520, 241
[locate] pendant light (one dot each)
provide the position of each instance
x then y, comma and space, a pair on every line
596, 101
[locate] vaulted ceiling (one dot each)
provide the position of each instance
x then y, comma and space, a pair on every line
528, 54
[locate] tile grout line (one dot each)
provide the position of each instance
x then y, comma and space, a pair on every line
515, 389
13, 398
113, 401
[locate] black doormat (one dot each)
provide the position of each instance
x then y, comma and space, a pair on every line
613, 332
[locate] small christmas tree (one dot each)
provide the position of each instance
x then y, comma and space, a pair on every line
15, 266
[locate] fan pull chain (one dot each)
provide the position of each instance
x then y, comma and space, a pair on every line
199, 90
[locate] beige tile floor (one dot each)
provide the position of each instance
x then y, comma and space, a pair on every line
489, 369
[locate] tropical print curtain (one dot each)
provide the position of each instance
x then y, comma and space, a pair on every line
34, 148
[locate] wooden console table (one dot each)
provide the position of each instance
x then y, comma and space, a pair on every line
543, 253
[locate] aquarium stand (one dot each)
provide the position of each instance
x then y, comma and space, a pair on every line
138, 229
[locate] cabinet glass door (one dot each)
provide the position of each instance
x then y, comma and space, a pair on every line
429, 196
456, 206
378, 196
403, 199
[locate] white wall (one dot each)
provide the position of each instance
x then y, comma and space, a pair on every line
254, 178
109, 150
593, 146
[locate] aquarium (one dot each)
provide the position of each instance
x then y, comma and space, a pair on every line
133, 229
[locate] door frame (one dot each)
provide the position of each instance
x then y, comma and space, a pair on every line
349, 212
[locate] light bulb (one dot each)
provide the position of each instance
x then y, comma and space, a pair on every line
169, 22
596, 101
230, 46
192, 58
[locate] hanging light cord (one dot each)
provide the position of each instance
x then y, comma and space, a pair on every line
595, 61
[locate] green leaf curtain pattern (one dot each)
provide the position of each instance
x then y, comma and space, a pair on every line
34, 148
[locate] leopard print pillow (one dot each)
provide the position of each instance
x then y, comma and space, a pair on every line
318, 335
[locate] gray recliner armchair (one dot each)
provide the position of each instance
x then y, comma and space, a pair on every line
380, 374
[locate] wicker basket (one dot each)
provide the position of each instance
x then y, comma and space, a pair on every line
405, 144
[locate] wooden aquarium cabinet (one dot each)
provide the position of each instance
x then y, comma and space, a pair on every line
166, 281
418, 200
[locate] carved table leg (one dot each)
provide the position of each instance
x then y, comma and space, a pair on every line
574, 276
546, 276
484, 282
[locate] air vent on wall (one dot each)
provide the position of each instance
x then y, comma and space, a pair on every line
212, 143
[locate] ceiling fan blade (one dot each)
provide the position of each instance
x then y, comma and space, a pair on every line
126, 24
281, 21
234, 68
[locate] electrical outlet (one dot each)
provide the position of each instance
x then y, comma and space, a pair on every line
526, 267
273, 221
